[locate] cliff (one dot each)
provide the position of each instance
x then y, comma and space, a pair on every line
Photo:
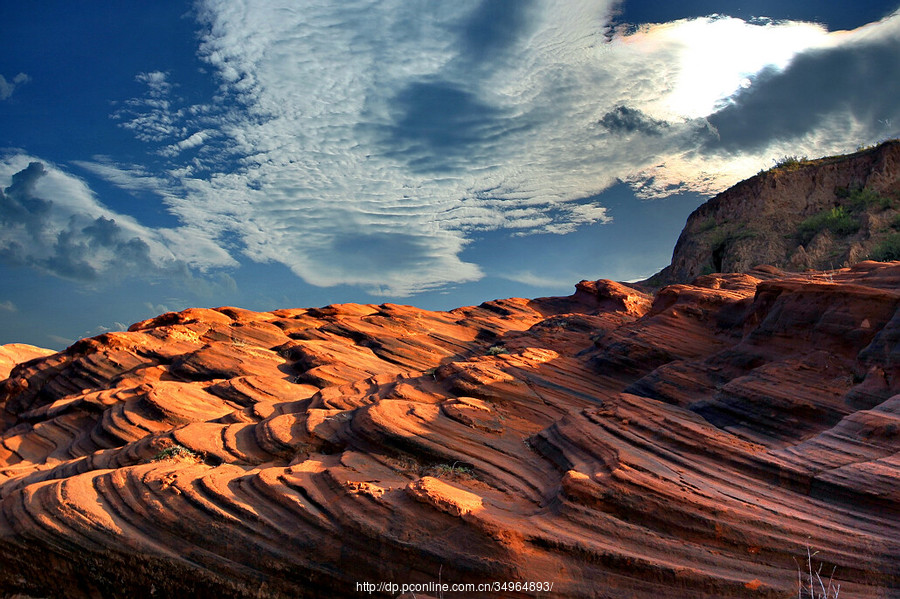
803, 214
692, 445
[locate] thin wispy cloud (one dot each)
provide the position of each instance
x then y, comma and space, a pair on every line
8, 306
7, 87
365, 143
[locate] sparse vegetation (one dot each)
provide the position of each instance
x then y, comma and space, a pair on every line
789, 163
887, 250
837, 220
411, 467
454, 470
707, 225
496, 350
814, 587
859, 200
177, 452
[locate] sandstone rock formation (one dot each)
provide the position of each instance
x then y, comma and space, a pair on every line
689, 447
16, 353
781, 217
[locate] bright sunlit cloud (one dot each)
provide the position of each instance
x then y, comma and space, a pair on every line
710, 59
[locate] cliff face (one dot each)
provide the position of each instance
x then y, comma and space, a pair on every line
692, 447
807, 214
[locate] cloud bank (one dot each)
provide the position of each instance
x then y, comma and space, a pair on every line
366, 143
51, 220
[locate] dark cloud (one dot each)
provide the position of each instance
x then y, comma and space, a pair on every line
623, 120
857, 80
81, 248
19, 207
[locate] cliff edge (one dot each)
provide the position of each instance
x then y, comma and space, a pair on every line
803, 214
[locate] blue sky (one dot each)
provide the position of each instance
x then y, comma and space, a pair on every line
267, 154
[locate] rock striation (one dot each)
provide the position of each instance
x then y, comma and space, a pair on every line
692, 444
803, 214
16, 353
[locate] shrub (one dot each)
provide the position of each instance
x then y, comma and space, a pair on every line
455, 470
887, 250
496, 350
862, 199
789, 163
837, 220
176, 452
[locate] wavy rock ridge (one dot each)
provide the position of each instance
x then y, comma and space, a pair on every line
689, 447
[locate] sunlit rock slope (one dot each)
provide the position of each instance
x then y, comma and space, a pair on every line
690, 446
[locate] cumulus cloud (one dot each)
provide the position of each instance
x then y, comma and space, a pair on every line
51, 220
363, 143
8, 87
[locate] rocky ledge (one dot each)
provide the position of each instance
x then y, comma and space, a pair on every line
693, 444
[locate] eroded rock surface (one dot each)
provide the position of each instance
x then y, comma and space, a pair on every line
692, 447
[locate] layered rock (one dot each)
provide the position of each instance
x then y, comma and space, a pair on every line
689, 446
13, 354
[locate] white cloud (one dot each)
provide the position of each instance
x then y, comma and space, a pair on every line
193, 141
157, 82
363, 142
8, 87
8, 306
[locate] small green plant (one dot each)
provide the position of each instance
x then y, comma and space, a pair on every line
837, 220
887, 250
814, 587
176, 452
895, 223
496, 350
